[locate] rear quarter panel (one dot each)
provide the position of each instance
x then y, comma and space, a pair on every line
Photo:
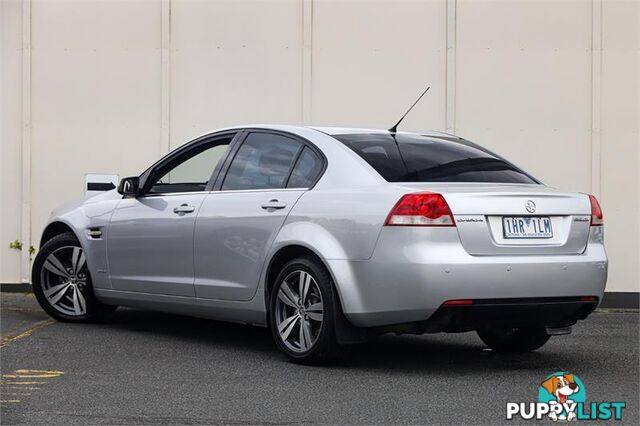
342, 215
339, 224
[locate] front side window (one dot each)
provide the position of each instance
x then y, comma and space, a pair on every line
191, 172
416, 158
263, 162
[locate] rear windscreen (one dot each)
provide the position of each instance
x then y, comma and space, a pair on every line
416, 158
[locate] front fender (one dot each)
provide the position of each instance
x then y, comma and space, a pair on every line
95, 213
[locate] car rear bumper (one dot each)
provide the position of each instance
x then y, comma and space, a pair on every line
410, 283
551, 312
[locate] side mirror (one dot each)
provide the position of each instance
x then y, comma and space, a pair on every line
129, 186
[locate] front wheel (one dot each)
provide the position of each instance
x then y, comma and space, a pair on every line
302, 305
62, 284
514, 339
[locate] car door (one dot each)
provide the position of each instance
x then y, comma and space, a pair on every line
238, 222
150, 236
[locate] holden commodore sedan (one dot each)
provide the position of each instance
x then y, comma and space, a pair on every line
330, 235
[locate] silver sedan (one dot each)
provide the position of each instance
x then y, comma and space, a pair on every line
329, 236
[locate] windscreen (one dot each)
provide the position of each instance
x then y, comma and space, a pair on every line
416, 158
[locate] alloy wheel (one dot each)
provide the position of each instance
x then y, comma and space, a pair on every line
64, 280
299, 311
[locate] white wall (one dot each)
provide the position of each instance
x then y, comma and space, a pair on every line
10, 137
523, 84
371, 59
111, 85
620, 159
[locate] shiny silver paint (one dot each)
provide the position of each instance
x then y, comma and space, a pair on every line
213, 261
232, 237
150, 248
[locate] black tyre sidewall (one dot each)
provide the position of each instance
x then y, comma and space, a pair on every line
522, 340
95, 309
325, 348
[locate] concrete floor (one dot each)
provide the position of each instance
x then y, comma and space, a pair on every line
143, 367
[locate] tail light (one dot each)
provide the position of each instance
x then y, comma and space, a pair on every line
596, 212
421, 209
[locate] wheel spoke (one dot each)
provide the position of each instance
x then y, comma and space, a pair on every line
314, 311
303, 285
285, 298
316, 307
81, 299
302, 337
52, 264
288, 291
78, 260
315, 316
79, 310
287, 325
55, 293
305, 335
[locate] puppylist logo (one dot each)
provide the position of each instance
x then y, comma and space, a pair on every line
563, 397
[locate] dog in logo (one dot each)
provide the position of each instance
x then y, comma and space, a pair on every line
561, 387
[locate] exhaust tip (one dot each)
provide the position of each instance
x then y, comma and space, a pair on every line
558, 331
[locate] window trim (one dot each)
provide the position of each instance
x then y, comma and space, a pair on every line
241, 140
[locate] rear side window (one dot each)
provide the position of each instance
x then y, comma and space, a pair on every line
263, 162
416, 158
306, 171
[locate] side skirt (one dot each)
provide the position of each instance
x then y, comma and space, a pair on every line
252, 312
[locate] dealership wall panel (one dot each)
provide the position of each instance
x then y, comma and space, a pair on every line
109, 86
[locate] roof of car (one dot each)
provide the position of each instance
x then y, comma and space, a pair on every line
335, 130
354, 130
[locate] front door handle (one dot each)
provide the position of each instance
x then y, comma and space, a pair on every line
183, 209
274, 205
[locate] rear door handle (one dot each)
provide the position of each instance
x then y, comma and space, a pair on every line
274, 205
184, 209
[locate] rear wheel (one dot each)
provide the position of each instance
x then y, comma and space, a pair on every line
301, 312
62, 284
514, 339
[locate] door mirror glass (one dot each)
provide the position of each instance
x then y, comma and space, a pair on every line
128, 186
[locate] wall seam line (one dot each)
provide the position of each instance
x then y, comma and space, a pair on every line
25, 261
450, 65
596, 97
307, 40
165, 71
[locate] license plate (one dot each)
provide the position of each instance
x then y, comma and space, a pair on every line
527, 227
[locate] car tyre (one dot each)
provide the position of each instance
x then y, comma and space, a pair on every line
302, 308
514, 340
62, 283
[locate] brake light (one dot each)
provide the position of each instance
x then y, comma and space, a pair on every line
596, 212
421, 209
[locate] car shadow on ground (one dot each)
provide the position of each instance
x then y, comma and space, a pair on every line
426, 353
